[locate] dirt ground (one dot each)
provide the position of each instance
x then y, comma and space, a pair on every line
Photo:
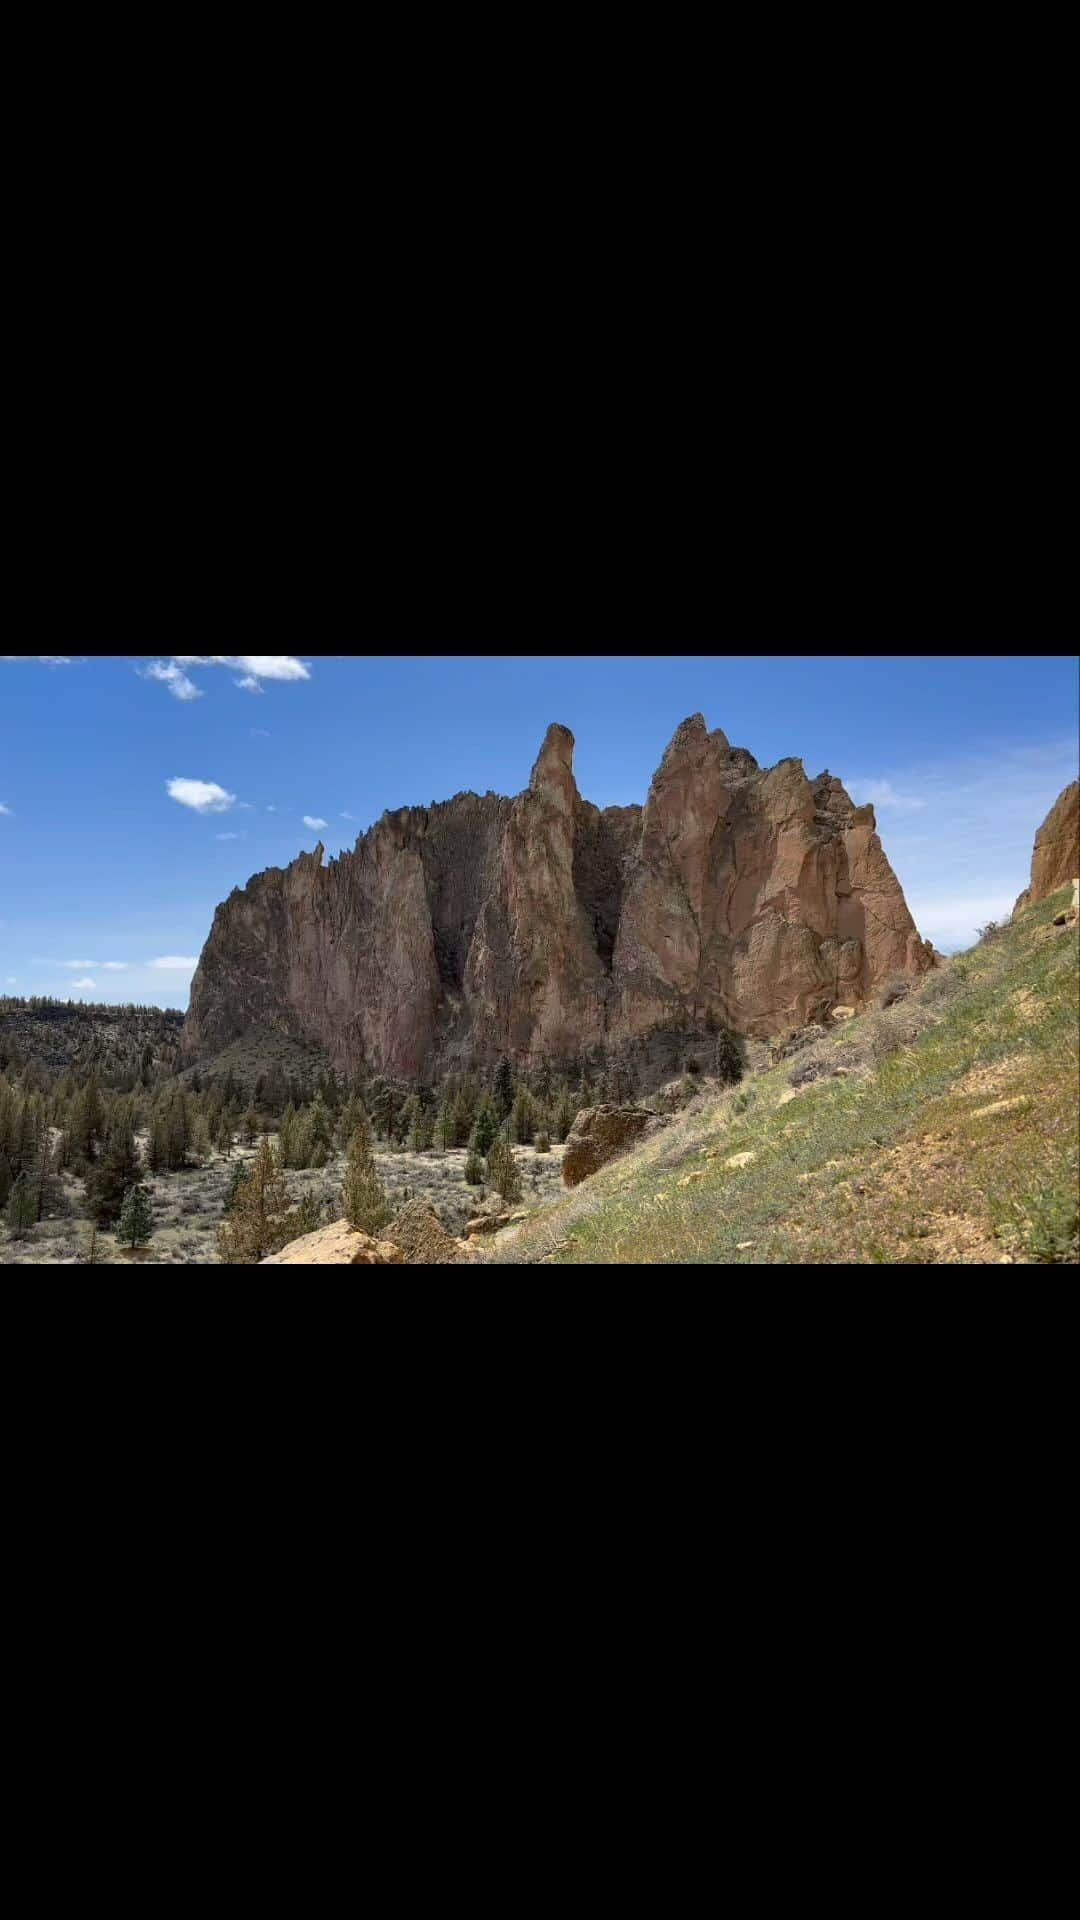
188, 1206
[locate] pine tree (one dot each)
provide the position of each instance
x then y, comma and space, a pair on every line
521, 1119
363, 1200
727, 1060
565, 1115
502, 1091
474, 1168
485, 1128
320, 1133
543, 1144
6, 1181
256, 1224
117, 1170
249, 1127
136, 1218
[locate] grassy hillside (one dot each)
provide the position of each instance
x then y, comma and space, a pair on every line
943, 1129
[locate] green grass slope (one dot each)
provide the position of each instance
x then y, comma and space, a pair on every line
944, 1129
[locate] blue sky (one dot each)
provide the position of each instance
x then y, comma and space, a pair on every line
106, 873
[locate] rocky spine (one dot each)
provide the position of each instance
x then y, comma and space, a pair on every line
541, 926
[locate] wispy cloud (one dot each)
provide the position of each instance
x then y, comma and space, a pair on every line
176, 963
882, 793
12, 980
46, 659
79, 966
8, 810
259, 733
180, 684
115, 966
312, 820
84, 986
348, 816
228, 836
203, 796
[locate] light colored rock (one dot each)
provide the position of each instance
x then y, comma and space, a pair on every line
1056, 854
687, 1178
740, 1159
1002, 1106
336, 1246
842, 1013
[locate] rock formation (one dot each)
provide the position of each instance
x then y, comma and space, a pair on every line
338, 1245
600, 1134
541, 926
1055, 858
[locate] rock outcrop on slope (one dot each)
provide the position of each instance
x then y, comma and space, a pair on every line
541, 926
1055, 858
338, 1245
600, 1134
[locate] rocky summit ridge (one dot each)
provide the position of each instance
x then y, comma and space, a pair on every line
542, 925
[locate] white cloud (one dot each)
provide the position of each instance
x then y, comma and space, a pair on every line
253, 668
46, 659
175, 963
348, 816
180, 685
228, 836
115, 966
259, 733
967, 855
882, 793
312, 820
12, 980
244, 806
271, 809
205, 796
7, 810
76, 966
84, 986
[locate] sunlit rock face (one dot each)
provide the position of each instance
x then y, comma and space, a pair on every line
1055, 858
540, 926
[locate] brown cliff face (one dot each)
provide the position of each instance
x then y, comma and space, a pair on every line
1055, 858
542, 925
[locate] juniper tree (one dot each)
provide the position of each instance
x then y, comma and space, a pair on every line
363, 1200
522, 1119
21, 1208
565, 1114
256, 1224
502, 1170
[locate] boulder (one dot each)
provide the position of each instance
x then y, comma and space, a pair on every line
337, 1246
600, 1134
1055, 857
